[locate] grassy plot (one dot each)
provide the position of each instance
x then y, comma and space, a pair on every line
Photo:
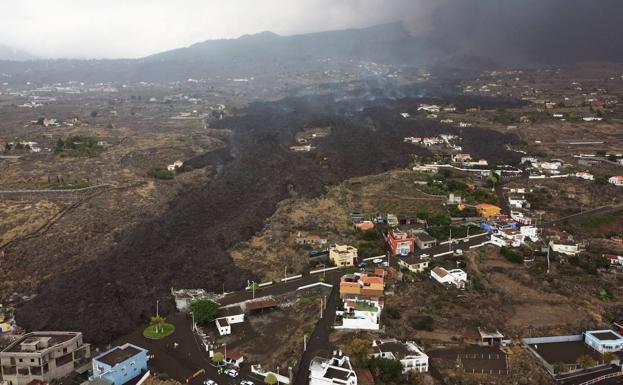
156, 332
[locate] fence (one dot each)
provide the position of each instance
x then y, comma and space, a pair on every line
258, 370
144, 378
604, 377
38, 194
288, 279
323, 270
526, 342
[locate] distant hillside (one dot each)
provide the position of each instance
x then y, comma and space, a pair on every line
8, 53
474, 34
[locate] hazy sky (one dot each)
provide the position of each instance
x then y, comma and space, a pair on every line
135, 28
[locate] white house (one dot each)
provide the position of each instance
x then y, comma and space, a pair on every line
521, 217
531, 232
584, 175
226, 317
567, 248
517, 201
410, 355
360, 314
336, 370
554, 165
429, 108
615, 260
616, 180
508, 238
177, 164
604, 340
456, 277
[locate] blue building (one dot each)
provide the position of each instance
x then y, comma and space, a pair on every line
120, 364
495, 225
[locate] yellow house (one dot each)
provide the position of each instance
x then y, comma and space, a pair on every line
487, 210
343, 255
4, 327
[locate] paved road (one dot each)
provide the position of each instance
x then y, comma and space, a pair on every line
318, 343
458, 244
189, 356
283, 288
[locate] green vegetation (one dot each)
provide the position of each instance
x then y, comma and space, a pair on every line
362, 306
601, 179
560, 367
359, 351
511, 255
270, 379
158, 331
386, 371
62, 185
590, 264
161, 173
392, 312
442, 232
424, 322
203, 310
77, 147
218, 357
371, 243
586, 361
594, 222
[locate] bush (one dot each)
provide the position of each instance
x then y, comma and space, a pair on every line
423, 323
386, 371
161, 173
511, 255
392, 312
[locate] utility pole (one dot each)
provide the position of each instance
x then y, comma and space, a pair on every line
548, 258
450, 243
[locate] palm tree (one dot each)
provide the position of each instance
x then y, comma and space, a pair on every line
157, 321
586, 361
609, 357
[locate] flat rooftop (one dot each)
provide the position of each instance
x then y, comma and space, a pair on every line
605, 336
118, 355
53, 339
564, 352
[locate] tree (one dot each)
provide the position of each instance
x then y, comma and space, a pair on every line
612, 158
601, 179
386, 371
270, 379
392, 312
559, 367
609, 357
94, 114
157, 321
218, 357
203, 310
359, 351
585, 361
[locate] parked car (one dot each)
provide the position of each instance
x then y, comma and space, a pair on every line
209, 382
361, 265
458, 252
377, 260
246, 382
231, 372
385, 264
